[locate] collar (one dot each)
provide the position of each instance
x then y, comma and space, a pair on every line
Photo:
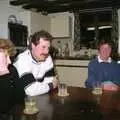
33, 59
100, 60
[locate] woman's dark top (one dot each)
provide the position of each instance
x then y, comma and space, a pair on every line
11, 91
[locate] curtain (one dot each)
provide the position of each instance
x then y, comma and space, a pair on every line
115, 33
76, 42
115, 25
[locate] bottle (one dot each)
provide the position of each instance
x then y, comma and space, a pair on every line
59, 49
66, 52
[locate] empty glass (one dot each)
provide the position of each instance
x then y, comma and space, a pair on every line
62, 89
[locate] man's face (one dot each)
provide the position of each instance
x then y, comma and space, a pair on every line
105, 51
41, 50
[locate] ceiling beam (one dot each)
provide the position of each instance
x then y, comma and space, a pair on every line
53, 6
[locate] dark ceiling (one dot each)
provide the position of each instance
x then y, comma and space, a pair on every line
54, 6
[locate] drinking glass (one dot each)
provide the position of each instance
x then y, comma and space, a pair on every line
97, 91
97, 88
62, 89
30, 104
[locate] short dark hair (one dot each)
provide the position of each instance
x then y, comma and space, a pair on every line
114, 52
40, 34
103, 41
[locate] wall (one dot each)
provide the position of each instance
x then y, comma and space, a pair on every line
72, 72
3, 18
33, 20
39, 22
72, 76
21, 15
63, 40
68, 14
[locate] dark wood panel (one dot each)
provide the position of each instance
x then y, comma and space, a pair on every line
81, 104
53, 6
77, 66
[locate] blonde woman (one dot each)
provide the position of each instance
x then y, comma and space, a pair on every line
10, 90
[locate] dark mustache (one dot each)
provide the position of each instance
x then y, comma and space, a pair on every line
45, 54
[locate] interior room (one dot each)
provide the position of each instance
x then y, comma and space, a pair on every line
76, 24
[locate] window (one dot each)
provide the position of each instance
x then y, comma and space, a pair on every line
93, 26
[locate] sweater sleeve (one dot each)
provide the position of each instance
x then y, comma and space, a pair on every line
33, 87
91, 75
37, 88
116, 74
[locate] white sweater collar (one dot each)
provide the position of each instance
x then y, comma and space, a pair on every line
100, 60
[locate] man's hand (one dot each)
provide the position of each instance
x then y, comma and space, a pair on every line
110, 86
55, 82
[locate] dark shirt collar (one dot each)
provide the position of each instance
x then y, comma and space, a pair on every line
34, 60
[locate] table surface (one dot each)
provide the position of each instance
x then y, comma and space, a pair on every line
81, 104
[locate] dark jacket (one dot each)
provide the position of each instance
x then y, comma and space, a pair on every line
11, 90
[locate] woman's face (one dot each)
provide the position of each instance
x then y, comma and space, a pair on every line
4, 58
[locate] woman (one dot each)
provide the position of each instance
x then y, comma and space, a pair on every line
10, 87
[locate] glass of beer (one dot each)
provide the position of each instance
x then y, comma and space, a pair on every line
30, 104
97, 91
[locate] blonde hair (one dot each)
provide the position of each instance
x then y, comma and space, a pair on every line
7, 45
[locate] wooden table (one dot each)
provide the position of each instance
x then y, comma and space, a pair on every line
81, 104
